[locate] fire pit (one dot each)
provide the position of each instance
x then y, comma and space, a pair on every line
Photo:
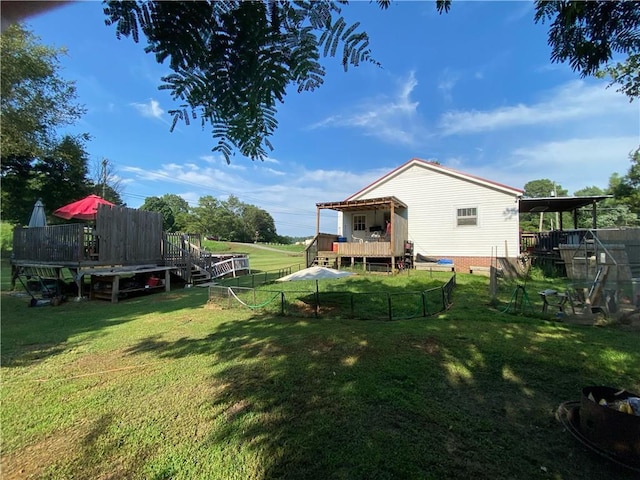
607, 422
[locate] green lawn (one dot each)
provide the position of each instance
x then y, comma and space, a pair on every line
169, 387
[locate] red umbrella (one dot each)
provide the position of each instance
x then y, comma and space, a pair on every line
84, 209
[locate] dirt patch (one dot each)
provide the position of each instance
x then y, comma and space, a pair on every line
30, 461
236, 409
429, 345
212, 305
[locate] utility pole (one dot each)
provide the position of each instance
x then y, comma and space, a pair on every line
104, 177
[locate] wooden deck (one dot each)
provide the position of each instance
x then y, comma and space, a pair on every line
120, 238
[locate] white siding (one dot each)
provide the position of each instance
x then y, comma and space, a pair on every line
433, 197
373, 218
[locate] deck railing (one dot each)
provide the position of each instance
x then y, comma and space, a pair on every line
184, 255
363, 245
230, 267
539, 242
54, 243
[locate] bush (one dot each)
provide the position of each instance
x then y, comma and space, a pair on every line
6, 237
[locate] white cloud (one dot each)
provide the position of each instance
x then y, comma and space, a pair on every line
447, 81
150, 109
572, 101
574, 163
393, 119
220, 160
274, 172
524, 9
291, 197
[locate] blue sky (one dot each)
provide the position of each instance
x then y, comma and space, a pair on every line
473, 89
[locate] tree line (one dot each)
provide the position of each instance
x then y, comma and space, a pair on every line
230, 219
36, 160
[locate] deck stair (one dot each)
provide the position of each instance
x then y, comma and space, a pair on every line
199, 275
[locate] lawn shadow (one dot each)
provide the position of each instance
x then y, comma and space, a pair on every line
411, 399
32, 334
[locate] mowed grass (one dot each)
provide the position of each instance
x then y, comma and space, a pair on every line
273, 257
169, 387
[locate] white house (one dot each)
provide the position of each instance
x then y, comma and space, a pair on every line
444, 213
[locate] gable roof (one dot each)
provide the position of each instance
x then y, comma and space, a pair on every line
437, 168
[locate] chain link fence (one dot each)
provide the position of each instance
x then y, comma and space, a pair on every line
335, 304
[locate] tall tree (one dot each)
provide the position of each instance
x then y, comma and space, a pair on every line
259, 224
588, 34
58, 177
544, 188
35, 100
628, 190
158, 204
180, 209
611, 212
204, 217
61, 176
530, 222
35, 103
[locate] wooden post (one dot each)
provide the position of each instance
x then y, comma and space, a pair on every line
317, 220
115, 287
392, 238
493, 284
167, 280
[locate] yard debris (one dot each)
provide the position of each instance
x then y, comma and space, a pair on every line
630, 405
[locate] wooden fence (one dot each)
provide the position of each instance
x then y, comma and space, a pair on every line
127, 236
53, 244
120, 236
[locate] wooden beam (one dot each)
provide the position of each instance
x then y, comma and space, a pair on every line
392, 237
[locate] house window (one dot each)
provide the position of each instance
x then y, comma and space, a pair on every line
359, 223
467, 216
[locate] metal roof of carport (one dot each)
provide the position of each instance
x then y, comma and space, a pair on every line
558, 204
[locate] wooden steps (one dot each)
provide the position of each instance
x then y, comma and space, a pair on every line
199, 275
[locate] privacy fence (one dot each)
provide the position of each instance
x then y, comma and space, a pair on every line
336, 304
